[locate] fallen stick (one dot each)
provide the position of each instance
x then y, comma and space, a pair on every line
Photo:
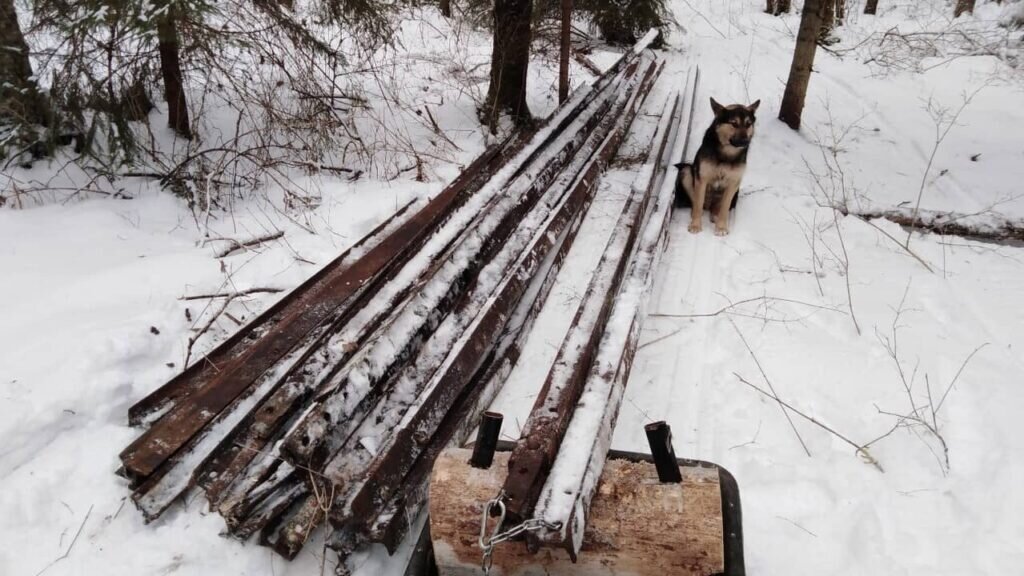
242, 245
206, 327
70, 546
860, 450
232, 294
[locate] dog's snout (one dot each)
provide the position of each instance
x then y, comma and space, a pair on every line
739, 141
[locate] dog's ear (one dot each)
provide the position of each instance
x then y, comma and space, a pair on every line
716, 107
753, 107
680, 165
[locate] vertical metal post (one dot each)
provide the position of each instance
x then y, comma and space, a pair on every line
659, 436
486, 440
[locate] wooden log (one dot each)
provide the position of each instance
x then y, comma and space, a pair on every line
637, 526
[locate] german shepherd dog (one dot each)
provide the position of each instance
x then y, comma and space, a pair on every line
713, 180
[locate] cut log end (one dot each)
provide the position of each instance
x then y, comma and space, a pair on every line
636, 525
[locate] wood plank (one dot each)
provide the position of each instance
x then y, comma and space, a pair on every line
637, 525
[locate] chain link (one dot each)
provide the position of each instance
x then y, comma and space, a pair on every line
497, 536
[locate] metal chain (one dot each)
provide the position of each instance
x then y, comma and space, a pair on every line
497, 537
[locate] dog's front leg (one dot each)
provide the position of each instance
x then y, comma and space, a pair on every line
722, 209
700, 188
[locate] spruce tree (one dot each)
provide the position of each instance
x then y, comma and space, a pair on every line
22, 107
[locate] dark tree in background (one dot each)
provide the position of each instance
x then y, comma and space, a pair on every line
170, 69
510, 62
963, 6
828, 19
624, 22
777, 7
871, 7
803, 59
20, 101
564, 46
446, 8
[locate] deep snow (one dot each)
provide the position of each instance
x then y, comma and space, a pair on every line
83, 282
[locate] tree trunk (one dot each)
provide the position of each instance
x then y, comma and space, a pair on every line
510, 61
871, 7
170, 68
803, 59
828, 19
563, 54
963, 6
840, 12
19, 96
446, 8
777, 7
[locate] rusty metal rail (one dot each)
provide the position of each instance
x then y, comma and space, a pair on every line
544, 429
565, 500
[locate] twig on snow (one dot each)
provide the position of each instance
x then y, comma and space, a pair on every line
862, 451
193, 339
938, 114
70, 546
237, 245
259, 290
763, 299
905, 248
925, 416
760, 368
957, 376
705, 18
727, 310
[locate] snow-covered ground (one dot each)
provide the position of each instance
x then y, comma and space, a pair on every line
830, 512
90, 316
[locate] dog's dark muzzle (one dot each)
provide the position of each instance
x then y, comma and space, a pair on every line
740, 142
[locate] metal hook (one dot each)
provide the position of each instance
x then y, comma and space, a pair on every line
487, 543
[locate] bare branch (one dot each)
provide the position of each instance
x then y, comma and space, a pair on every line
782, 405
861, 450
233, 294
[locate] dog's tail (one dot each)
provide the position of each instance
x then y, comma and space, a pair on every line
682, 195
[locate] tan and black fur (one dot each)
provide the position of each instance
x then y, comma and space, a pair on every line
712, 181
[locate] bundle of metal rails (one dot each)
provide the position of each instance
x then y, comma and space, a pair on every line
332, 406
